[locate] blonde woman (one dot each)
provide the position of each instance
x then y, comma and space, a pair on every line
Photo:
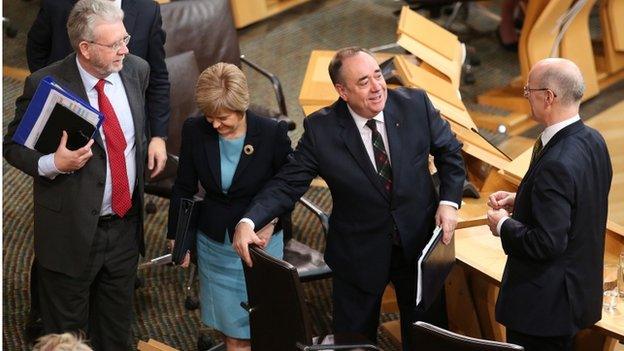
232, 153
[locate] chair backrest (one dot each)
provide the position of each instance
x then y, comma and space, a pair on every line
183, 74
427, 337
205, 27
278, 316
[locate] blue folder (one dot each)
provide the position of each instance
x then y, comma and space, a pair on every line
61, 118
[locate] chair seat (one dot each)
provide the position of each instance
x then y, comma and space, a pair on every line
308, 261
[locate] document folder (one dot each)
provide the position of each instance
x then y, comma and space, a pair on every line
434, 265
186, 230
52, 110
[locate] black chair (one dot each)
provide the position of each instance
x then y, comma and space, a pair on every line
278, 316
427, 337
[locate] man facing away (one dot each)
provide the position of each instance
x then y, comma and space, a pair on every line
371, 147
554, 240
88, 202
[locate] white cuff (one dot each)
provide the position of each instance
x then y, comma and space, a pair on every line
46, 166
248, 221
450, 203
499, 225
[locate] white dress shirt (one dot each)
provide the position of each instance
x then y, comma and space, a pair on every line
116, 94
548, 133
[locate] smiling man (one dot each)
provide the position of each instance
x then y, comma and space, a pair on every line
371, 147
88, 202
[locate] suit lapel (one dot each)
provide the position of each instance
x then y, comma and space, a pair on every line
211, 147
353, 141
560, 135
71, 80
252, 138
135, 100
130, 14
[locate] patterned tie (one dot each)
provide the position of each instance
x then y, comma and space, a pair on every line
115, 147
381, 157
537, 148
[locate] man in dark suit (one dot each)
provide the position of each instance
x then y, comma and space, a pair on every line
552, 283
372, 148
88, 202
48, 42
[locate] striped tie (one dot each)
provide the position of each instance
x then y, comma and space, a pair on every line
381, 157
537, 149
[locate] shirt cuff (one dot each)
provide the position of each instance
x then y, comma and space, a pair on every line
499, 225
450, 203
46, 166
248, 221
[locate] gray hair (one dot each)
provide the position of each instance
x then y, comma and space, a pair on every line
336, 63
85, 14
565, 80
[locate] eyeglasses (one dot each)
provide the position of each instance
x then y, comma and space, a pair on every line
526, 91
116, 45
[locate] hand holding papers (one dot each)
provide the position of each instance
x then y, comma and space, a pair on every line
434, 265
51, 111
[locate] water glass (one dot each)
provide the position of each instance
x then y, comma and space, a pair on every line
609, 286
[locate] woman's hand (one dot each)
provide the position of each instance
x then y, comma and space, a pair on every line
187, 258
265, 233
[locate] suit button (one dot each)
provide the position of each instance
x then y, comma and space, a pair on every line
100, 183
94, 212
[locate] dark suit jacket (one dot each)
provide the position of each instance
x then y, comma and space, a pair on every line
200, 161
48, 42
67, 208
552, 283
363, 218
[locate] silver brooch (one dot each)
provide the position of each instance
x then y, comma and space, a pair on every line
248, 149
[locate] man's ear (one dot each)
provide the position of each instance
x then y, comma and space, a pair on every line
341, 90
83, 48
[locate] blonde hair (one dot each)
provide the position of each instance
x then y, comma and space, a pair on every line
83, 17
61, 342
221, 87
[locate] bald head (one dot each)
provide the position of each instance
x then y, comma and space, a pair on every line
562, 76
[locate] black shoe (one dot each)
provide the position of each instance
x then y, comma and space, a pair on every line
33, 329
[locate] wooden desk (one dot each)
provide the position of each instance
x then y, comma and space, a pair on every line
482, 259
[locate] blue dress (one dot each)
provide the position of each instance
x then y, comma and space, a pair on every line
221, 279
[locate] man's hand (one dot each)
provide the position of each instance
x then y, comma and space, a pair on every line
493, 217
187, 258
265, 233
243, 237
66, 160
446, 217
156, 156
502, 199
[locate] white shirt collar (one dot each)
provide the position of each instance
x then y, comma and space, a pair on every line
360, 121
550, 131
89, 80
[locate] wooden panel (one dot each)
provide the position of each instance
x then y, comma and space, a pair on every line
246, 12
616, 25
428, 33
431, 43
610, 124
613, 59
533, 10
576, 45
543, 33
517, 168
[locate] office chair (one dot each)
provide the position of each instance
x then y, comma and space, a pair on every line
278, 316
427, 337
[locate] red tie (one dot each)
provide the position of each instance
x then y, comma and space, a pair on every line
115, 147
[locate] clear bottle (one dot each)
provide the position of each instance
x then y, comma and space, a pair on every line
620, 279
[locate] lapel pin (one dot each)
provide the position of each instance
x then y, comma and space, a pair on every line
248, 149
